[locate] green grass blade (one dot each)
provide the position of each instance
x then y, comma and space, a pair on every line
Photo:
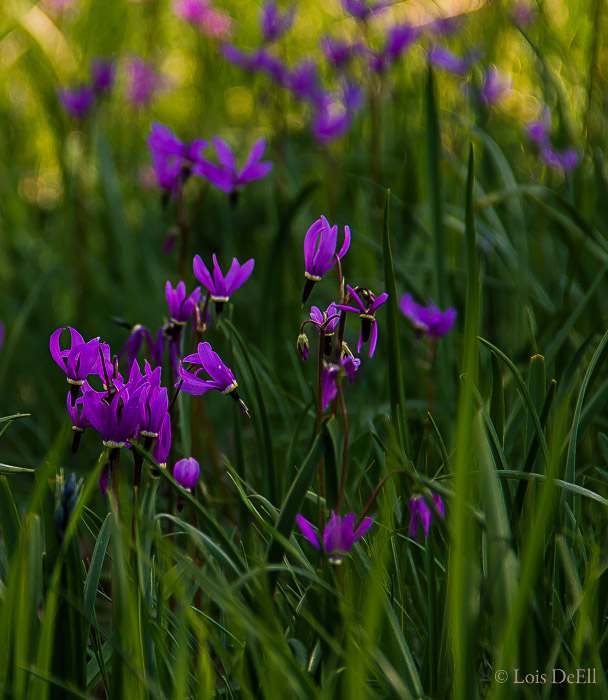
395, 368
10, 523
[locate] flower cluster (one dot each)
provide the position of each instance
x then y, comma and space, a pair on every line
174, 161
320, 256
78, 100
539, 133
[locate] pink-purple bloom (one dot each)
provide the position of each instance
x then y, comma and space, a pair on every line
429, 319
221, 378
339, 534
204, 17
77, 361
102, 76
220, 287
320, 251
332, 375
162, 444
275, 23
181, 307
115, 419
420, 510
366, 306
441, 57
494, 86
143, 81
77, 101
172, 158
186, 473
361, 10
226, 176
539, 133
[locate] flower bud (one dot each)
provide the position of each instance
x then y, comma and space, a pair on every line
303, 346
186, 473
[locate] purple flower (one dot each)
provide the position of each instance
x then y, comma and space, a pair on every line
77, 101
220, 287
366, 313
153, 405
116, 419
143, 81
222, 378
275, 23
420, 509
320, 251
304, 82
333, 374
361, 10
226, 176
429, 319
339, 53
494, 86
441, 57
320, 317
260, 60
339, 534
79, 360
102, 76
133, 345
538, 132
302, 346
181, 307
162, 444
77, 413
186, 473
399, 37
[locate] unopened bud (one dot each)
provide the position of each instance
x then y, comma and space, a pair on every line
303, 346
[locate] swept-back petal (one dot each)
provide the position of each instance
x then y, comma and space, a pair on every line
323, 258
310, 243
218, 280
308, 531
256, 152
236, 279
366, 523
56, 350
346, 244
254, 172
378, 301
224, 154
202, 273
374, 338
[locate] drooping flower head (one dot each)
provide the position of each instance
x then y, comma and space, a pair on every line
77, 102
442, 57
226, 176
339, 53
79, 360
153, 405
366, 306
79, 419
361, 10
221, 377
305, 83
339, 534
137, 335
420, 510
320, 251
328, 321
143, 81
275, 23
494, 86
102, 75
186, 473
220, 287
429, 319
260, 60
172, 159
181, 307
332, 375
162, 444
116, 420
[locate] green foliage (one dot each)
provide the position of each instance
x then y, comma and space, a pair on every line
165, 593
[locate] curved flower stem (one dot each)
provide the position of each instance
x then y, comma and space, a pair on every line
430, 399
115, 464
344, 449
377, 490
320, 404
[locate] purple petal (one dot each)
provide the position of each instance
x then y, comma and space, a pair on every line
308, 531
374, 338
366, 523
202, 274
224, 154
240, 276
